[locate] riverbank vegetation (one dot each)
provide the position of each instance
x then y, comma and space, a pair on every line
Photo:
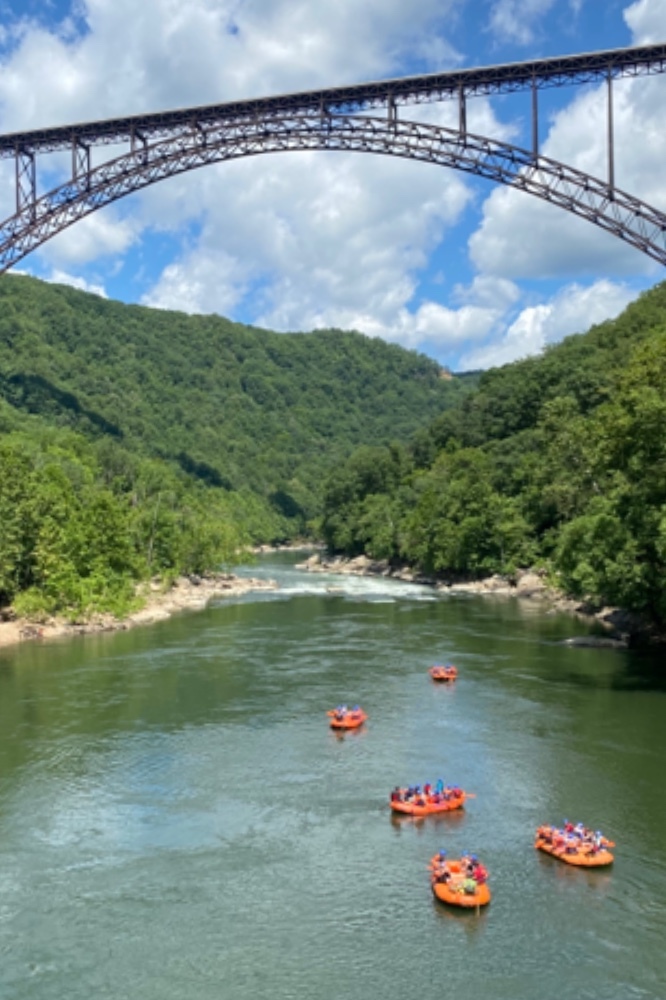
137, 443
82, 522
557, 461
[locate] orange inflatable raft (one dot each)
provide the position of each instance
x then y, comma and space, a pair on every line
421, 805
445, 673
459, 889
574, 850
350, 718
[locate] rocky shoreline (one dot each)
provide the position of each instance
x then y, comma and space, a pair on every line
191, 593
622, 628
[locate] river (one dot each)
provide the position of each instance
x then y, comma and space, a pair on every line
178, 822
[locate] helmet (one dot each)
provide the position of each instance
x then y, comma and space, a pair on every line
442, 854
598, 834
473, 857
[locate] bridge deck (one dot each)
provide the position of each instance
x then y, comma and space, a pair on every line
486, 80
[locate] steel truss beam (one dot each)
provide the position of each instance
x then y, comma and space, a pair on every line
26, 182
593, 199
163, 144
459, 85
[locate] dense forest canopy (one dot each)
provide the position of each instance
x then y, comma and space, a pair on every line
82, 521
557, 461
135, 442
237, 407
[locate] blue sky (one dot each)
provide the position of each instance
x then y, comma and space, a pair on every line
470, 273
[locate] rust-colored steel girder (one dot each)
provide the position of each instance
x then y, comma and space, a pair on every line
592, 199
168, 143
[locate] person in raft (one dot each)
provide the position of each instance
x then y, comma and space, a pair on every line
440, 868
474, 871
427, 795
572, 838
469, 862
480, 873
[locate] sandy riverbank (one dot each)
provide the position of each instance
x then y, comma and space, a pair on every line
186, 594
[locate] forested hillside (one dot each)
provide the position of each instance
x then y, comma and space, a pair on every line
557, 461
234, 406
82, 521
137, 443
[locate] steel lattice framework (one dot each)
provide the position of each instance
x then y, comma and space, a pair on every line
164, 144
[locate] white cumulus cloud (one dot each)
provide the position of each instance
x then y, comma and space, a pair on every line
102, 234
574, 309
517, 20
523, 237
297, 241
334, 239
62, 278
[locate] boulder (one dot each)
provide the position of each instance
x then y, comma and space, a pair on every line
530, 585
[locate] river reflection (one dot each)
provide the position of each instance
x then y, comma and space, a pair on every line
178, 820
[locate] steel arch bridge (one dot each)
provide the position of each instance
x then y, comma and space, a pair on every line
157, 146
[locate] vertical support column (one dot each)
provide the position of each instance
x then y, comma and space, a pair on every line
136, 137
26, 182
80, 161
200, 133
462, 110
535, 120
611, 141
391, 110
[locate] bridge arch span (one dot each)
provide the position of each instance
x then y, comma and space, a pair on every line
615, 211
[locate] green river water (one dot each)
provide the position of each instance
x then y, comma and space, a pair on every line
177, 820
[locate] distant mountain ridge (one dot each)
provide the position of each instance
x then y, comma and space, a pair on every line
235, 406
556, 462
